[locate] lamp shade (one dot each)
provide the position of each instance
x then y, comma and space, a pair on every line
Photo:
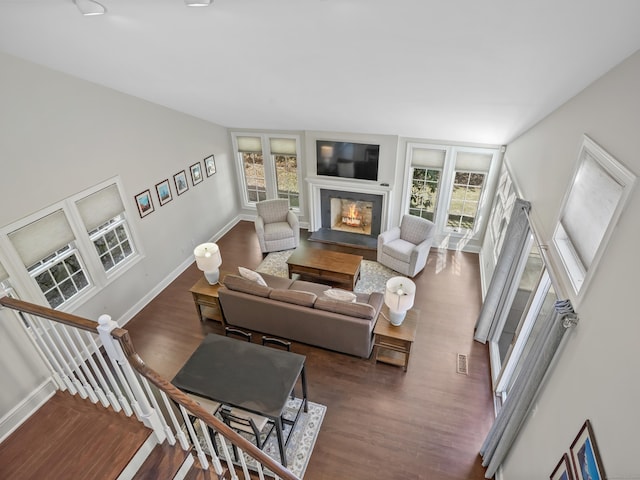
208, 259
399, 295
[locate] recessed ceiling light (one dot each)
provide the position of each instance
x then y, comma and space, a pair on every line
197, 3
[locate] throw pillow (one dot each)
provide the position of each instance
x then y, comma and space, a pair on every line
253, 276
340, 295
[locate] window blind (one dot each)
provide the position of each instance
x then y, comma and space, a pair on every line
35, 241
100, 206
473, 162
428, 157
282, 146
249, 144
591, 204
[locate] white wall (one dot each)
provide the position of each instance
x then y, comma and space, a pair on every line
596, 374
60, 135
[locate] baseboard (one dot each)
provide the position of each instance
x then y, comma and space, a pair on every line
144, 301
27, 407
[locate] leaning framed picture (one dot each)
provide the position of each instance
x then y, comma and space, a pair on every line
144, 203
196, 173
164, 192
585, 455
563, 470
210, 165
180, 180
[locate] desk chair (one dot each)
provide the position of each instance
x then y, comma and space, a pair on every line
228, 331
250, 423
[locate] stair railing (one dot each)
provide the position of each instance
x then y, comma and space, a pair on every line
69, 345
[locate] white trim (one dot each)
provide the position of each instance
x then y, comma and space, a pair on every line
562, 249
27, 407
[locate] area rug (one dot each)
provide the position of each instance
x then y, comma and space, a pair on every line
300, 445
373, 276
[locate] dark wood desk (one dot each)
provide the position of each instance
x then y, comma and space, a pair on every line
245, 375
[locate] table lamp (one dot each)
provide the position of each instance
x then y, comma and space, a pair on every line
208, 260
398, 296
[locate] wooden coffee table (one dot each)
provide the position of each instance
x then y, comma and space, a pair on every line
393, 344
336, 268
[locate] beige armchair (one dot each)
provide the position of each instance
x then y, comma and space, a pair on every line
405, 248
277, 227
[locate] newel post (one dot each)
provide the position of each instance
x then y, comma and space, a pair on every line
139, 402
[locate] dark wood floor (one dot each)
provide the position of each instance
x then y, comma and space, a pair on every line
428, 423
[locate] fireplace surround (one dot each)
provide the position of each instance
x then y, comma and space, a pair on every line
326, 223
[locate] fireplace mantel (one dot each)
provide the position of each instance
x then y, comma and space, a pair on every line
316, 184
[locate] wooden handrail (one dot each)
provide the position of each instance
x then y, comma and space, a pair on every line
122, 335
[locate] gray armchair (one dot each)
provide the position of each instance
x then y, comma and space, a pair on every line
405, 248
277, 226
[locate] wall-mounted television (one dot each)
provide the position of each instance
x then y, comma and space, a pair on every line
347, 159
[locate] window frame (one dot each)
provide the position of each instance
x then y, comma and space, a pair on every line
576, 275
456, 239
82, 244
269, 163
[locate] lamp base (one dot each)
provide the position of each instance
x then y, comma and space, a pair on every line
212, 277
396, 318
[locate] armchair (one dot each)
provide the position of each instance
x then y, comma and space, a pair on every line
277, 227
405, 248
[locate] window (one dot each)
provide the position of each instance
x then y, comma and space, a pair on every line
71, 249
446, 185
269, 167
112, 242
102, 213
599, 190
60, 275
283, 151
424, 192
47, 250
468, 183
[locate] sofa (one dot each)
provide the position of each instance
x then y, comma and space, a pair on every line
301, 311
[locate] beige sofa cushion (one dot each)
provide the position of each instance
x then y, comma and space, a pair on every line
353, 309
297, 297
239, 284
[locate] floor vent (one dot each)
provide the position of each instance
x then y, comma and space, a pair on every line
462, 364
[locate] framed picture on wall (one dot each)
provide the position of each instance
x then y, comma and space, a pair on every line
210, 165
144, 203
585, 455
563, 470
164, 192
196, 173
180, 180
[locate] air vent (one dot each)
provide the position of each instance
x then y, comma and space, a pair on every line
462, 365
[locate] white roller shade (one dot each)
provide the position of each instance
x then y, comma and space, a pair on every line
100, 206
428, 157
591, 204
3, 273
42, 237
283, 146
473, 162
249, 144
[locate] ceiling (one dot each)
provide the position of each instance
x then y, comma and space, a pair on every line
479, 71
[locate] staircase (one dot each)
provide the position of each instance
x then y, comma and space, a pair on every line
113, 417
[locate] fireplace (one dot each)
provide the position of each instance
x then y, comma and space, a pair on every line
349, 218
352, 216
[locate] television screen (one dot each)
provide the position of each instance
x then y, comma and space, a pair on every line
347, 159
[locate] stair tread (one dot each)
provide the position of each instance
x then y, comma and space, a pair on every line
164, 461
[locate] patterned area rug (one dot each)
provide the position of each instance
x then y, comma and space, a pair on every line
300, 445
373, 276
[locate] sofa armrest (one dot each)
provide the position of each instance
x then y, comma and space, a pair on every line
259, 223
292, 220
385, 237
